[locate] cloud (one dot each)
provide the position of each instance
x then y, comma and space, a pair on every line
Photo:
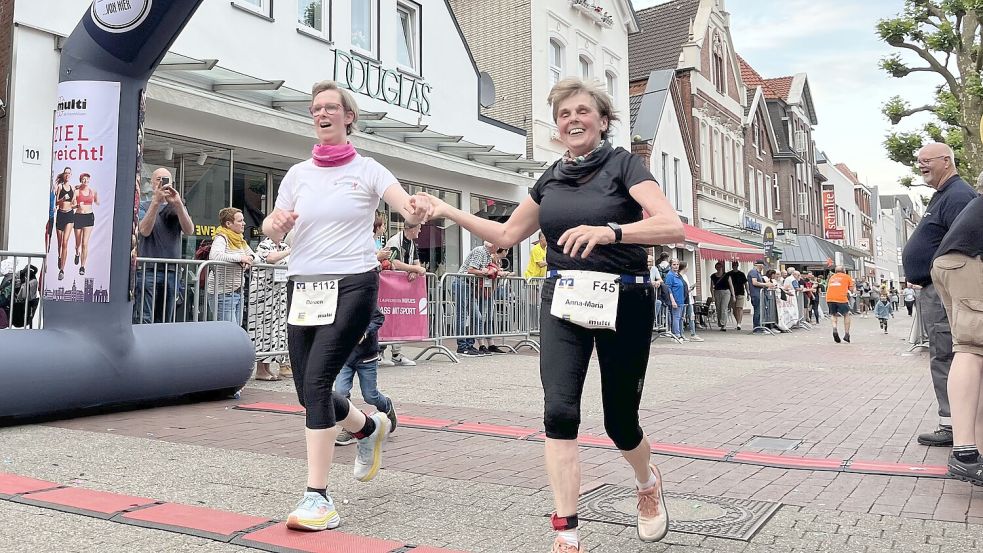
795, 21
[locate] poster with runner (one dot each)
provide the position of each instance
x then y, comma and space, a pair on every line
83, 163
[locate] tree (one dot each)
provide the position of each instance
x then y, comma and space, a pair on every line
945, 35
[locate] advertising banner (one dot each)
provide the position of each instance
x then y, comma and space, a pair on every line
404, 304
83, 192
830, 231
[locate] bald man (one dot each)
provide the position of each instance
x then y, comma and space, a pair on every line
937, 165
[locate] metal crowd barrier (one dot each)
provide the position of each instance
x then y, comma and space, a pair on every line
21, 304
769, 310
436, 323
800, 303
478, 307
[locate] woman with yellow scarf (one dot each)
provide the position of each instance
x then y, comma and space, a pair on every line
226, 281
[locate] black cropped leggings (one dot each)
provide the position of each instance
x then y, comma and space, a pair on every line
623, 357
317, 353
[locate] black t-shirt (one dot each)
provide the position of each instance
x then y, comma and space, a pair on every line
719, 282
740, 282
939, 216
966, 233
598, 201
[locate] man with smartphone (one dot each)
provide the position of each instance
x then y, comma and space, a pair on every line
162, 220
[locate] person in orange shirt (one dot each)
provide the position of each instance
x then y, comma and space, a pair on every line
837, 297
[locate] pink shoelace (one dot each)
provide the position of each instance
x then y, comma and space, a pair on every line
648, 501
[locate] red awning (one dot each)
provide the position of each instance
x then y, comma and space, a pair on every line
719, 247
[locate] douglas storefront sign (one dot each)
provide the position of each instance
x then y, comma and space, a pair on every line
368, 77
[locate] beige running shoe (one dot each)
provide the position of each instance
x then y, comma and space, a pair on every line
653, 519
561, 546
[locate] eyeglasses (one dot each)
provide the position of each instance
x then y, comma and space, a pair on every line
927, 160
328, 109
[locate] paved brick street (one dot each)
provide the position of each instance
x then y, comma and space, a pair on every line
470, 491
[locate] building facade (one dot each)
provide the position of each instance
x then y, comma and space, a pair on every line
526, 47
228, 115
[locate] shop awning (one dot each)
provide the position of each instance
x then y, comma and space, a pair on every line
814, 251
719, 247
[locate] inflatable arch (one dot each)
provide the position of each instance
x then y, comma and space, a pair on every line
90, 354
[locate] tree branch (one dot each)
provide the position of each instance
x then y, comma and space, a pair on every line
913, 111
936, 11
950, 79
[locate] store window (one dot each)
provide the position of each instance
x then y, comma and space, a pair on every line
439, 243
254, 191
311, 15
556, 61
365, 14
495, 210
408, 39
206, 179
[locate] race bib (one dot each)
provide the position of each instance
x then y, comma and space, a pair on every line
314, 303
586, 298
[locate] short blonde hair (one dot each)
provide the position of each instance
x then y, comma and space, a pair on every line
572, 86
227, 215
347, 100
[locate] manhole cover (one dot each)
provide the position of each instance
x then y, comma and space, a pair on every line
765, 442
721, 517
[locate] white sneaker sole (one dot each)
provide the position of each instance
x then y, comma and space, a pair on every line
329, 522
379, 438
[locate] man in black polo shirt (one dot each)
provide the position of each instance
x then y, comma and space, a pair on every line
958, 274
739, 291
937, 165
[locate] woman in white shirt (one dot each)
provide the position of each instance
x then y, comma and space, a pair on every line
329, 203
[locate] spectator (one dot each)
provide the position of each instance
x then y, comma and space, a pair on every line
677, 297
957, 272
163, 218
739, 288
723, 292
909, 298
266, 306
363, 362
937, 164
657, 278
757, 284
690, 304
225, 282
894, 297
537, 259
407, 259
467, 295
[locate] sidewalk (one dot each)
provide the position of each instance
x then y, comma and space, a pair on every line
472, 492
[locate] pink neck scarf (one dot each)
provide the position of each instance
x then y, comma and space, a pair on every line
330, 155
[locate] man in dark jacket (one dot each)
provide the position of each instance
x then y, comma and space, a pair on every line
938, 167
364, 361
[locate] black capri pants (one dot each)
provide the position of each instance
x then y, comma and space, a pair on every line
623, 356
317, 353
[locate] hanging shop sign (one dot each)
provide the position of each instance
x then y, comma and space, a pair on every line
370, 78
830, 231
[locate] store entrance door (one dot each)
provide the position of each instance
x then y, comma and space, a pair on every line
254, 192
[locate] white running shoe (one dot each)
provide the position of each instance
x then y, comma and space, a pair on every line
403, 361
369, 456
314, 513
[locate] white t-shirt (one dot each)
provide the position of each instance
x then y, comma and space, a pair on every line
336, 208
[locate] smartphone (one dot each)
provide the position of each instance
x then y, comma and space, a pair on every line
164, 181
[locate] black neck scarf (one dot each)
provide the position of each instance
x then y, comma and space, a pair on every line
576, 169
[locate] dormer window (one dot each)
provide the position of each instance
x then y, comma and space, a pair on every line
717, 61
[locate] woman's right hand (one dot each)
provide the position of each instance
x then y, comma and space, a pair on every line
283, 221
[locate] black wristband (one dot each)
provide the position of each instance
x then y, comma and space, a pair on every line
617, 232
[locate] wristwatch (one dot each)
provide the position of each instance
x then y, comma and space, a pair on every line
617, 232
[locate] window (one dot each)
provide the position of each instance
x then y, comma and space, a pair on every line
612, 83
364, 16
718, 160
408, 37
803, 203
762, 196
775, 195
586, 69
664, 183
556, 61
704, 152
728, 166
262, 7
752, 190
739, 175
678, 195
792, 189
310, 14
717, 64
754, 136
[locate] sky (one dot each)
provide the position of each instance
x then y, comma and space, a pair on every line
834, 42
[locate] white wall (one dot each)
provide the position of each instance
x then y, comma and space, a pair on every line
669, 140
886, 257
607, 48
242, 42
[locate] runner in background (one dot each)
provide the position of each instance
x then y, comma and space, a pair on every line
838, 289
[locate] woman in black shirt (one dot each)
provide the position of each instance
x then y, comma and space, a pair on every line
589, 205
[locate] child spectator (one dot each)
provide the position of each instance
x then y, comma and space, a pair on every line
883, 310
364, 361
